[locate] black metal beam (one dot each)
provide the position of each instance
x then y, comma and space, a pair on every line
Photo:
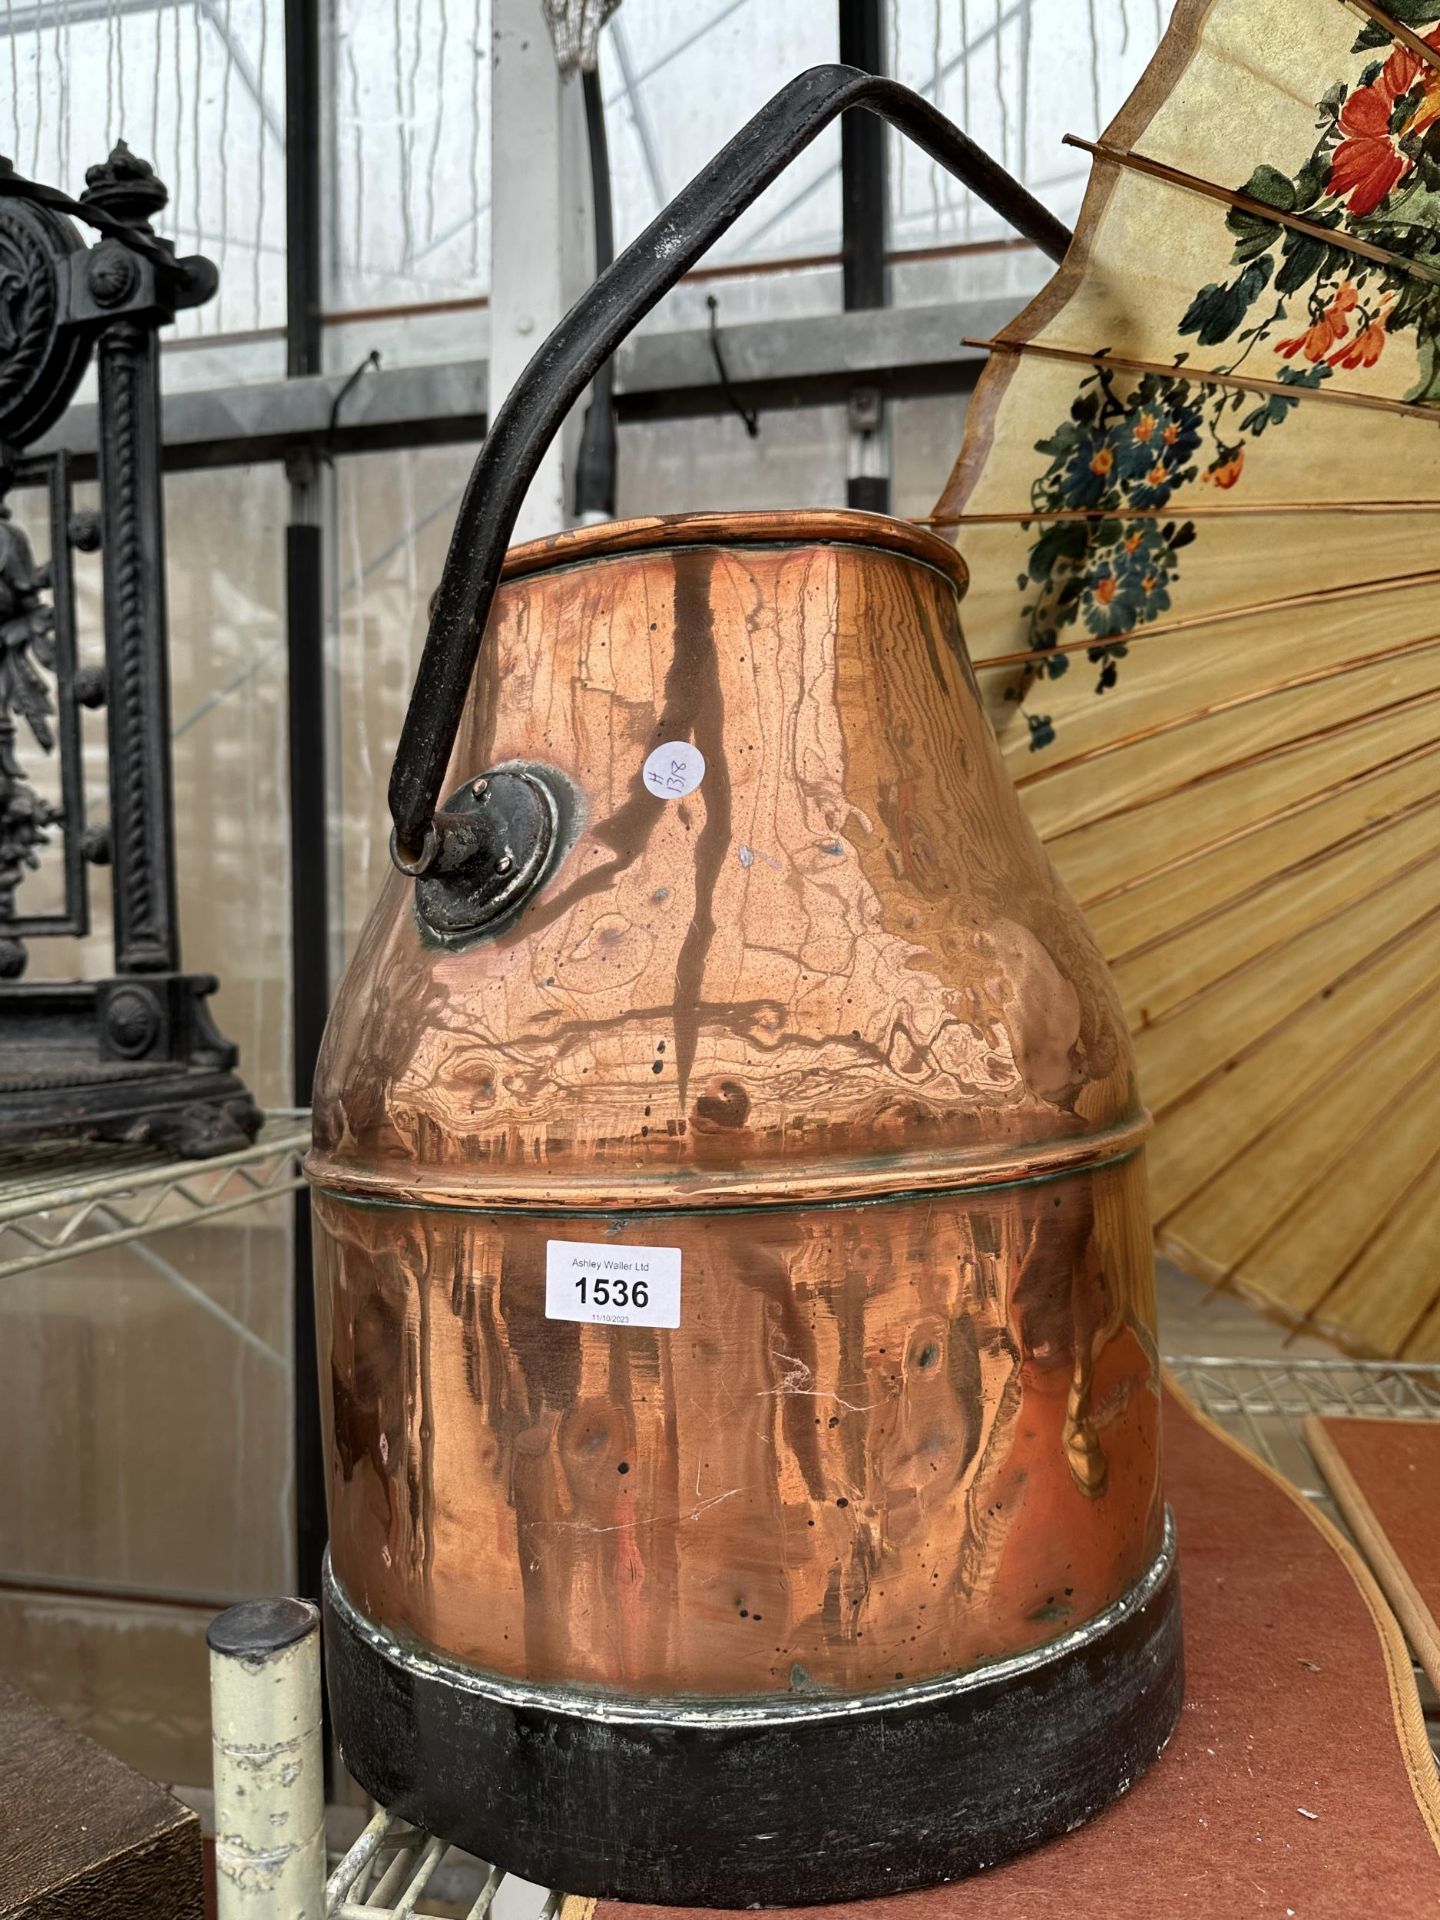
305, 638
864, 221
595, 462
659, 375
310, 988
303, 233
863, 173
305, 616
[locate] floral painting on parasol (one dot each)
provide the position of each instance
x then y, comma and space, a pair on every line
1203, 467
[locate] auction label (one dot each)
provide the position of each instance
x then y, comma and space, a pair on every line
674, 770
611, 1285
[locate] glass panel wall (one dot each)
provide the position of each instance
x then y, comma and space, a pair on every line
724, 60
226, 548
388, 528
1017, 75
408, 197
148, 1389
409, 205
197, 88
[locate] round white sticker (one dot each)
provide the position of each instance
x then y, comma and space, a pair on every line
674, 770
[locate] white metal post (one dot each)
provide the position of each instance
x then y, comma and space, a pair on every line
541, 243
265, 1720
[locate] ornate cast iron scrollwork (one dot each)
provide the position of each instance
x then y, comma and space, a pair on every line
27, 661
136, 1056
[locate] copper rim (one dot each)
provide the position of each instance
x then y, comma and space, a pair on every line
671, 1189
740, 1711
826, 526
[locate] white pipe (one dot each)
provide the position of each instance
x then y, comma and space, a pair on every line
269, 1761
541, 236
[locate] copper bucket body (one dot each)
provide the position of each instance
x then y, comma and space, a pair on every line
810, 1041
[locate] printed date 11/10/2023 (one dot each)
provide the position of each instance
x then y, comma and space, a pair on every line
612, 1285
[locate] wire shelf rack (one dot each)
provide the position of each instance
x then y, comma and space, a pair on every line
1264, 1402
61, 1198
393, 1870
393, 1866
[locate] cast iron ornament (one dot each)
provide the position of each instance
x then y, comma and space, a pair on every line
27, 659
136, 1056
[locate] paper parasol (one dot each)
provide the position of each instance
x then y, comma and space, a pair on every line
1198, 497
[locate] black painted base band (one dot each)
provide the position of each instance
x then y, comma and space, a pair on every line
776, 1803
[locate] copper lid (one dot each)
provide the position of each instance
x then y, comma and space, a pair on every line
783, 526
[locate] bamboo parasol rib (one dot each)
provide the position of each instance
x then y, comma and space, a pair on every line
1218, 377
1246, 203
1196, 498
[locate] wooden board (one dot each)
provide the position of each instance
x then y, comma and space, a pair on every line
84, 1836
1385, 1476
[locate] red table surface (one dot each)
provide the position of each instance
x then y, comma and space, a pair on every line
1299, 1781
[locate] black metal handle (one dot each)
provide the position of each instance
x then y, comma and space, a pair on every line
594, 327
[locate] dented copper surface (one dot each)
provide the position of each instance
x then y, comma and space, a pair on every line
830, 1026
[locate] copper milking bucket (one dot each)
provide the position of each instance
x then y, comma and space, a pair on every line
733, 1270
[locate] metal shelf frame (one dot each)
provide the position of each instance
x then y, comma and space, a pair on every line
392, 1865
1264, 1402
66, 1198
